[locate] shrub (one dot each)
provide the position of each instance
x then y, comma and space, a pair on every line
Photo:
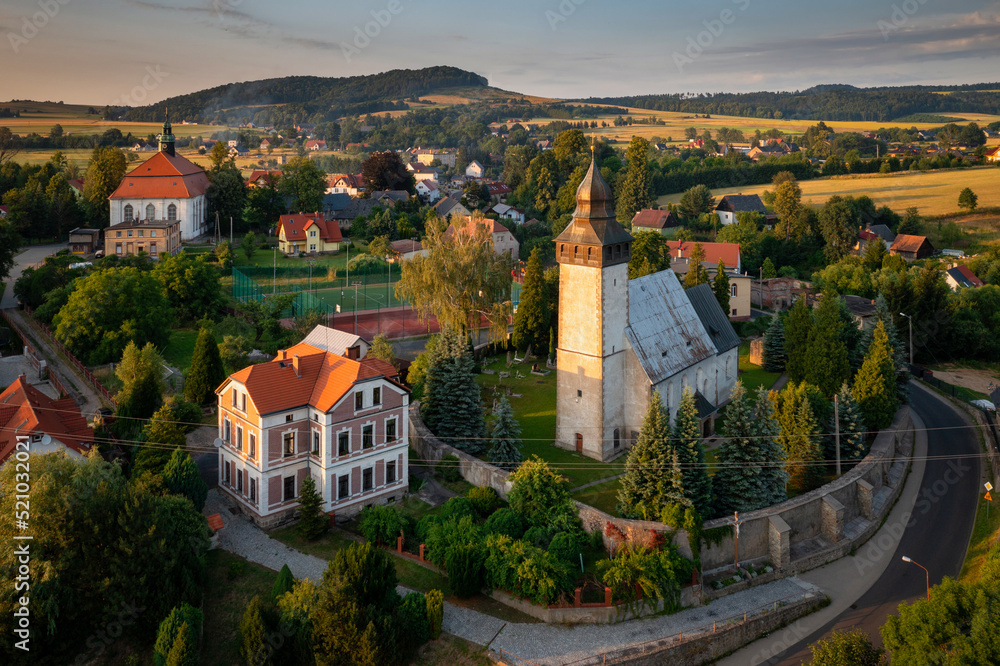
423, 528
448, 469
464, 563
435, 611
505, 521
413, 623
283, 583
484, 500
444, 536
659, 574
457, 507
253, 633
524, 570
567, 546
381, 524
538, 537
166, 635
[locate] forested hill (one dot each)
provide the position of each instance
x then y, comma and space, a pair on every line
827, 102
307, 98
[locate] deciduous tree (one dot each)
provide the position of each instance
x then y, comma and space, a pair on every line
386, 171
695, 201
697, 274
303, 185
968, 200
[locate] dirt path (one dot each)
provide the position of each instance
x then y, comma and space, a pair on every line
970, 378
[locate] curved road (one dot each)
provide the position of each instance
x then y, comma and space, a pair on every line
937, 535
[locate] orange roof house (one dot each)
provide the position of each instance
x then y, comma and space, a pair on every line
503, 239
728, 252
308, 233
911, 248
26, 411
310, 412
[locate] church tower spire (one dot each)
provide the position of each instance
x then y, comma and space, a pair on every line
593, 254
166, 138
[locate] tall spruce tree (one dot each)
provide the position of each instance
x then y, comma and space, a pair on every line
690, 451
634, 187
800, 438
505, 443
312, 522
532, 319
740, 483
875, 385
773, 476
697, 274
452, 407
182, 477
648, 463
253, 633
774, 346
184, 651
720, 286
852, 428
798, 328
767, 269
900, 357
826, 362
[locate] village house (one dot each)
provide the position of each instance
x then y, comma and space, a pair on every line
642, 335
315, 145
739, 286
502, 238
498, 191
308, 233
778, 293
154, 237
474, 170
261, 178
733, 204
960, 277
352, 184
428, 190
335, 341
450, 206
515, 215
50, 424
428, 157
863, 310
911, 248
729, 253
312, 413
661, 221
423, 172
406, 249
167, 186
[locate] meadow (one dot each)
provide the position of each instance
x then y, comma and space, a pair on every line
931, 192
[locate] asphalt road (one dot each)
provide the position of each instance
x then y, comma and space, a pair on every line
937, 535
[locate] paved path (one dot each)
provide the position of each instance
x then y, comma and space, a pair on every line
866, 588
29, 257
541, 643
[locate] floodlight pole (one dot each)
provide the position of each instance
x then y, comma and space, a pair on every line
909, 319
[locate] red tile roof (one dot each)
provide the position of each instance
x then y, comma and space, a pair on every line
260, 173
728, 252
349, 180
493, 225
296, 227
321, 381
24, 410
970, 277
907, 243
215, 522
163, 176
654, 219
867, 235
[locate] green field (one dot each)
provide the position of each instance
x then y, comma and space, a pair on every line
931, 192
230, 583
753, 376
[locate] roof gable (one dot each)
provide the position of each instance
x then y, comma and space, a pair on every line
740, 203
25, 410
163, 176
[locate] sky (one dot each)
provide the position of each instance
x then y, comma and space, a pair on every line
140, 51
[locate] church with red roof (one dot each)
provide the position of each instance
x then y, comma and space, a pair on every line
167, 186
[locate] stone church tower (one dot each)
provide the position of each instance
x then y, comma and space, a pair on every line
593, 254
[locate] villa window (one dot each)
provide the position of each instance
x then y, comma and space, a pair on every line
150, 212
289, 488
344, 487
253, 490
129, 214
390, 472
376, 396
734, 291
253, 445
366, 479
359, 400
289, 444
390, 430
367, 436
344, 443
315, 446
172, 212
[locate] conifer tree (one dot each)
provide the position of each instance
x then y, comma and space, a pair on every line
697, 274
183, 652
206, 371
312, 522
740, 483
799, 437
648, 462
900, 357
505, 444
253, 633
633, 192
875, 386
452, 407
852, 428
283, 583
690, 451
382, 349
531, 321
773, 476
671, 490
798, 327
767, 269
720, 286
164, 436
182, 477
826, 362
774, 346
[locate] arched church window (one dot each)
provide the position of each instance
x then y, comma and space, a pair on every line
150, 212
129, 213
562, 248
172, 212
576, 251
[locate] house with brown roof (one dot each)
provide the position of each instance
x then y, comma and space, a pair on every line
660, 221
428, 190
260, 177
911, 248
33, 422
960, 277
312, 413
315, 145
502, 238
406, 249
348, 183
308, 233
992, 154
729, 253
167, 186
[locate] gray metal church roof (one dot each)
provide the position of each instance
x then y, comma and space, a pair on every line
713, 318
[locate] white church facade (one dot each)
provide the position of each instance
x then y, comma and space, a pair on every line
167, 186
618, 340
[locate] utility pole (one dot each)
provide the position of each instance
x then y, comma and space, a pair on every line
909, 319
230, 231
736, 525
836, 430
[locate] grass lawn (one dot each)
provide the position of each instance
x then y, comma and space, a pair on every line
603, 496
931, 192
452, 650
753, 375
984, 537
536, 412
230, 583
180, 349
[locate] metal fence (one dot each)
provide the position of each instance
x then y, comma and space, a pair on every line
656, 644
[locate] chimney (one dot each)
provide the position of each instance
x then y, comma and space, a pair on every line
353, 353
295, 364
281, 354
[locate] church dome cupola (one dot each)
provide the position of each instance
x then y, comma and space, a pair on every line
594, 237
166, 137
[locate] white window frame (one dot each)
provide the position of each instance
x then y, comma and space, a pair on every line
227, 429
295, 442
252, 443
385, 429
349, 436
733, 291
363, 426
316, 442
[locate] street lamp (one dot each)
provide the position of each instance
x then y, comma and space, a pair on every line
909, 561
356, 283
910, 319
